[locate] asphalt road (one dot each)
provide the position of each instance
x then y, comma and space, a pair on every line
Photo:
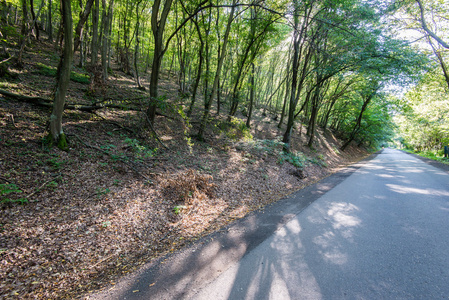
379, 230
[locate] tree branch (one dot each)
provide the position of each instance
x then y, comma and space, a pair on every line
426, 29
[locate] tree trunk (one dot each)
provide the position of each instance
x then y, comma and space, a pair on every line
157, 27
33, 15
295, 64
358, 122
50, 25
251, 97
222, 55
24, 29
105, 45
84, 14
287, 91
313, 116
136, 50
95, 18
57, 135
200, 68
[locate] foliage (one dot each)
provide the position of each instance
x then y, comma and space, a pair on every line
275, 148
140, 150
434, 155
236, 130
297, 159
423, 121
6, 189
51, 72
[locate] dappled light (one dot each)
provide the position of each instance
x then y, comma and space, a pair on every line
411, 190
341, 214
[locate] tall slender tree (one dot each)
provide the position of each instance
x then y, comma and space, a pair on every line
56, 135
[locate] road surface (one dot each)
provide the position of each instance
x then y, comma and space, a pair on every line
377, 231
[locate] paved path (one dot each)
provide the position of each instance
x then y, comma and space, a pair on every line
377, 232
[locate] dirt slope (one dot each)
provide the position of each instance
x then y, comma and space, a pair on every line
118, 198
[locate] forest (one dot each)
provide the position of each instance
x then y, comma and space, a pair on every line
131, 128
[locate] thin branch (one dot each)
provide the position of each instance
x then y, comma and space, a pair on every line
426, 29
44, 184
201, 8
3, 61
108, 154
5, 180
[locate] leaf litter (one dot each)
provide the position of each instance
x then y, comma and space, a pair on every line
103, 214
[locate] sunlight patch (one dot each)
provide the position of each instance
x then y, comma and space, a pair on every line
409, 190
340, 212
336, 257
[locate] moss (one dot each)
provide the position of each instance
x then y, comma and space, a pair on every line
61, 142
49, 140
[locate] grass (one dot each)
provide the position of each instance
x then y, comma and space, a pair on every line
438, 155
51, 72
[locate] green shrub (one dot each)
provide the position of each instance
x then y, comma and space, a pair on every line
236, 130
297, 159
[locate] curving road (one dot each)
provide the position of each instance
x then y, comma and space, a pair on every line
379, 232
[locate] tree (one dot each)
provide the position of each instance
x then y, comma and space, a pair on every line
221, 57
95, 17
84, 14
367, 94
106, 24
157, 27
136, 50
422, 117
426, 28
430, 19
56, 135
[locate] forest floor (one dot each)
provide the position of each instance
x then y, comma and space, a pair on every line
74, 222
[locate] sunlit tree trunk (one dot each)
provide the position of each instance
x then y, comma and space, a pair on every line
222, 55
251, 97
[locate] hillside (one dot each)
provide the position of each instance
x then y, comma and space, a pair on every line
72, 222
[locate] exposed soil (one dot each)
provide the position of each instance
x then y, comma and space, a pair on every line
118, 198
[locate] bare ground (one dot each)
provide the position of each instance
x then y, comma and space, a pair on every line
113, 202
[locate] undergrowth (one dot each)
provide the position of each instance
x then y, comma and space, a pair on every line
434, 155
235, 130
51, 71
275, 148
7, 189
